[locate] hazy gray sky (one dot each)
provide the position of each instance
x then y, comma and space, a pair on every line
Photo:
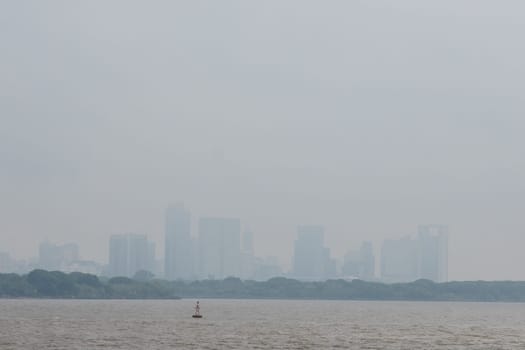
369, 117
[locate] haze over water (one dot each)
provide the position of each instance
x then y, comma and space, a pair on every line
259, 324
367, 117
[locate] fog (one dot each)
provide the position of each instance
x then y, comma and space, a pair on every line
366, 117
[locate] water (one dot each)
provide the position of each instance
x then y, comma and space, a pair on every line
259, 324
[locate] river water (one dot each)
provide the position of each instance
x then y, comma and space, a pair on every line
259, 324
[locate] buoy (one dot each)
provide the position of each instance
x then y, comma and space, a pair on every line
197, 313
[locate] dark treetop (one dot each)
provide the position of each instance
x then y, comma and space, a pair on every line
55, 284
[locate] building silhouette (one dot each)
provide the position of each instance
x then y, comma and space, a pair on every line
56, 257
219, 248
399, 260
433, 252
247, 242
130, 253
408, 259
247, 257
266, 268
178, 257
311, 260
360, 264
367, 270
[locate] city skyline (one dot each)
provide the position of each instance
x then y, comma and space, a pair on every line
160, 244
132, 253
221, 247
336, 239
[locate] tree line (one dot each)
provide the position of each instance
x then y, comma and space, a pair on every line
56, 284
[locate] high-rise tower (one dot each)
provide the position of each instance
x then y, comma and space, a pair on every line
178, 257
433, 252
128, 254
219, 247
311, 260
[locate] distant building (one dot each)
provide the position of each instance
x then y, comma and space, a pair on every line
56, 257
433, 252
410, 259
360, 264
247, 242
311, 260
351, 264
129, 253
247, 256
266, 268
195, 247
152, 262
219, 248
10, 265
367, 269
330, 265
178, 257
399, 260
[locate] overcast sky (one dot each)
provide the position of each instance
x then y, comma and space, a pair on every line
369, 117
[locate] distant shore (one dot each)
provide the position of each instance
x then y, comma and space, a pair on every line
58, 285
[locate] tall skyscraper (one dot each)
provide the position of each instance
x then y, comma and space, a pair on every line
178, 257
399, 260
360, 264
219, 247
424, 257
433, 252
128, 254
311, 259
